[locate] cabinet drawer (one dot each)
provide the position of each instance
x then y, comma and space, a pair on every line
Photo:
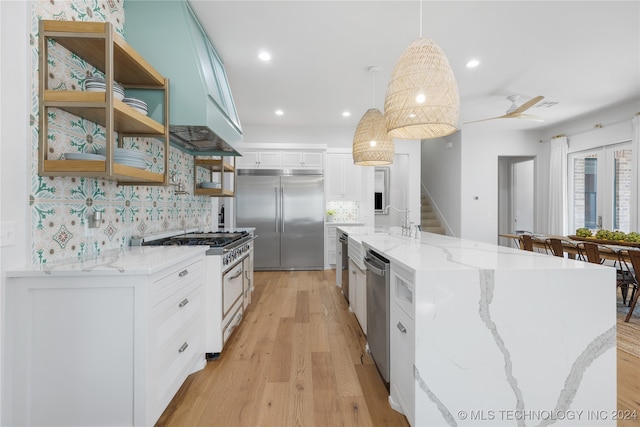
402, 290
231, 323
176, 363
402, 359
232, 287
167, 283
176, 312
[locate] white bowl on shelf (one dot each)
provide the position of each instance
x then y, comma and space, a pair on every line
210, 185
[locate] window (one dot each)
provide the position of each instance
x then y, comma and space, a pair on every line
600, 187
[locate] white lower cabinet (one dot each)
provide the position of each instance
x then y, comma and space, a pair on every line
402, 337
358, 293
100, 348
330, 246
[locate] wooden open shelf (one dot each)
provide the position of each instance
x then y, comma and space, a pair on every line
219, 166
99, 45
88, 41
97, 169
91, 106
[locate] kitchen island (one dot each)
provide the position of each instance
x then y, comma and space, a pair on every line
106, 340
487, 335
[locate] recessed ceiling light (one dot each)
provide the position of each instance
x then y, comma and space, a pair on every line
264, 56
346, 114
279, 112
473, 63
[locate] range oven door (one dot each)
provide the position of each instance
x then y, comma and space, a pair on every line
232, 287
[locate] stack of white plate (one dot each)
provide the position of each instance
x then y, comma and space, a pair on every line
128, 157
83, 156
209, 184
137, 104
97, 84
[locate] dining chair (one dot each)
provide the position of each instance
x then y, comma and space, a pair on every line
634, 256
555, 245
592, 252
526, 242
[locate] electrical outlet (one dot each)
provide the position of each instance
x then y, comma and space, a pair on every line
7, 233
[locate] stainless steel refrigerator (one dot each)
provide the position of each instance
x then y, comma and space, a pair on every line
286, 207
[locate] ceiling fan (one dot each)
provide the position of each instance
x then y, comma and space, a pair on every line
515, 112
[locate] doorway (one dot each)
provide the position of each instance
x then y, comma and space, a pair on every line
516, 196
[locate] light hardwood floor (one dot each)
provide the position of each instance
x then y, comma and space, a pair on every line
299, 359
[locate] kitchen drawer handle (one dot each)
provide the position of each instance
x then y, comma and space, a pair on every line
401, 328
183, 273
183, 347
235, 276
183, 302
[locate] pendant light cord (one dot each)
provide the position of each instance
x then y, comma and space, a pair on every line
420, 18
373, 89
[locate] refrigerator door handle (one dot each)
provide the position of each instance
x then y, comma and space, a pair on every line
275, 189
282, 207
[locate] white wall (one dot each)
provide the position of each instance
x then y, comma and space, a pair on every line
14, 138
481, 148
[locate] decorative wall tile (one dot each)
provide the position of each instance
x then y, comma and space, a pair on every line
60, 205
346, 210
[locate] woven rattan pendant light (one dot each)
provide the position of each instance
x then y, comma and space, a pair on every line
422, 99
372, 146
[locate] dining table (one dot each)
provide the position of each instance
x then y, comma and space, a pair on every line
608, 249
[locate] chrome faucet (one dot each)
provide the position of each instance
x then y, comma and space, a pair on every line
405, 225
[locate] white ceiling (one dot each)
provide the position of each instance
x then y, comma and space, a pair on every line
584, 55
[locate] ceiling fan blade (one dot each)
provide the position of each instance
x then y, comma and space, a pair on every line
530, 117
530, 103
483, 120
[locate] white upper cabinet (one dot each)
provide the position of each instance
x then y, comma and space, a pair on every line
259, 159
302, 159
278, 159
342, 177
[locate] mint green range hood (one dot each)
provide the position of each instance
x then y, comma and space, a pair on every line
202, 114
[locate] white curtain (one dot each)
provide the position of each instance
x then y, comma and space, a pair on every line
635, 165
557, 218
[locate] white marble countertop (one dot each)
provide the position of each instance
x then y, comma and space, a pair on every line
438, 252
136, 260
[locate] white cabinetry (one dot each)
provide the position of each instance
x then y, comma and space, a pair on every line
100, 344
280, 159
259, 159
402, 335
358, 293
330, 245
342, 178
302, 159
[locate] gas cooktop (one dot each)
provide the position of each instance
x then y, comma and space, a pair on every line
219, 242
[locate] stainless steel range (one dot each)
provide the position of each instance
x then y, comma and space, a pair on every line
228, 280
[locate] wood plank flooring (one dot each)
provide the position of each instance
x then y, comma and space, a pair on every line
299, 359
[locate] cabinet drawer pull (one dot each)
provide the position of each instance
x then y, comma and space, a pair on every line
183, 273
183, 347
183, 302
401, 328
235, 276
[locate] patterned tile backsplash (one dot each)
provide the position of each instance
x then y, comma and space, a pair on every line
60, 206
346, 210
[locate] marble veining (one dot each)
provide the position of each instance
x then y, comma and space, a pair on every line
487, 287
446, 414
595, 349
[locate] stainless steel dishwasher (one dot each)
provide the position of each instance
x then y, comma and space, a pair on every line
344, 263
378, 284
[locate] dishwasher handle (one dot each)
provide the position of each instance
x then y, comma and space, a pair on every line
374, 268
